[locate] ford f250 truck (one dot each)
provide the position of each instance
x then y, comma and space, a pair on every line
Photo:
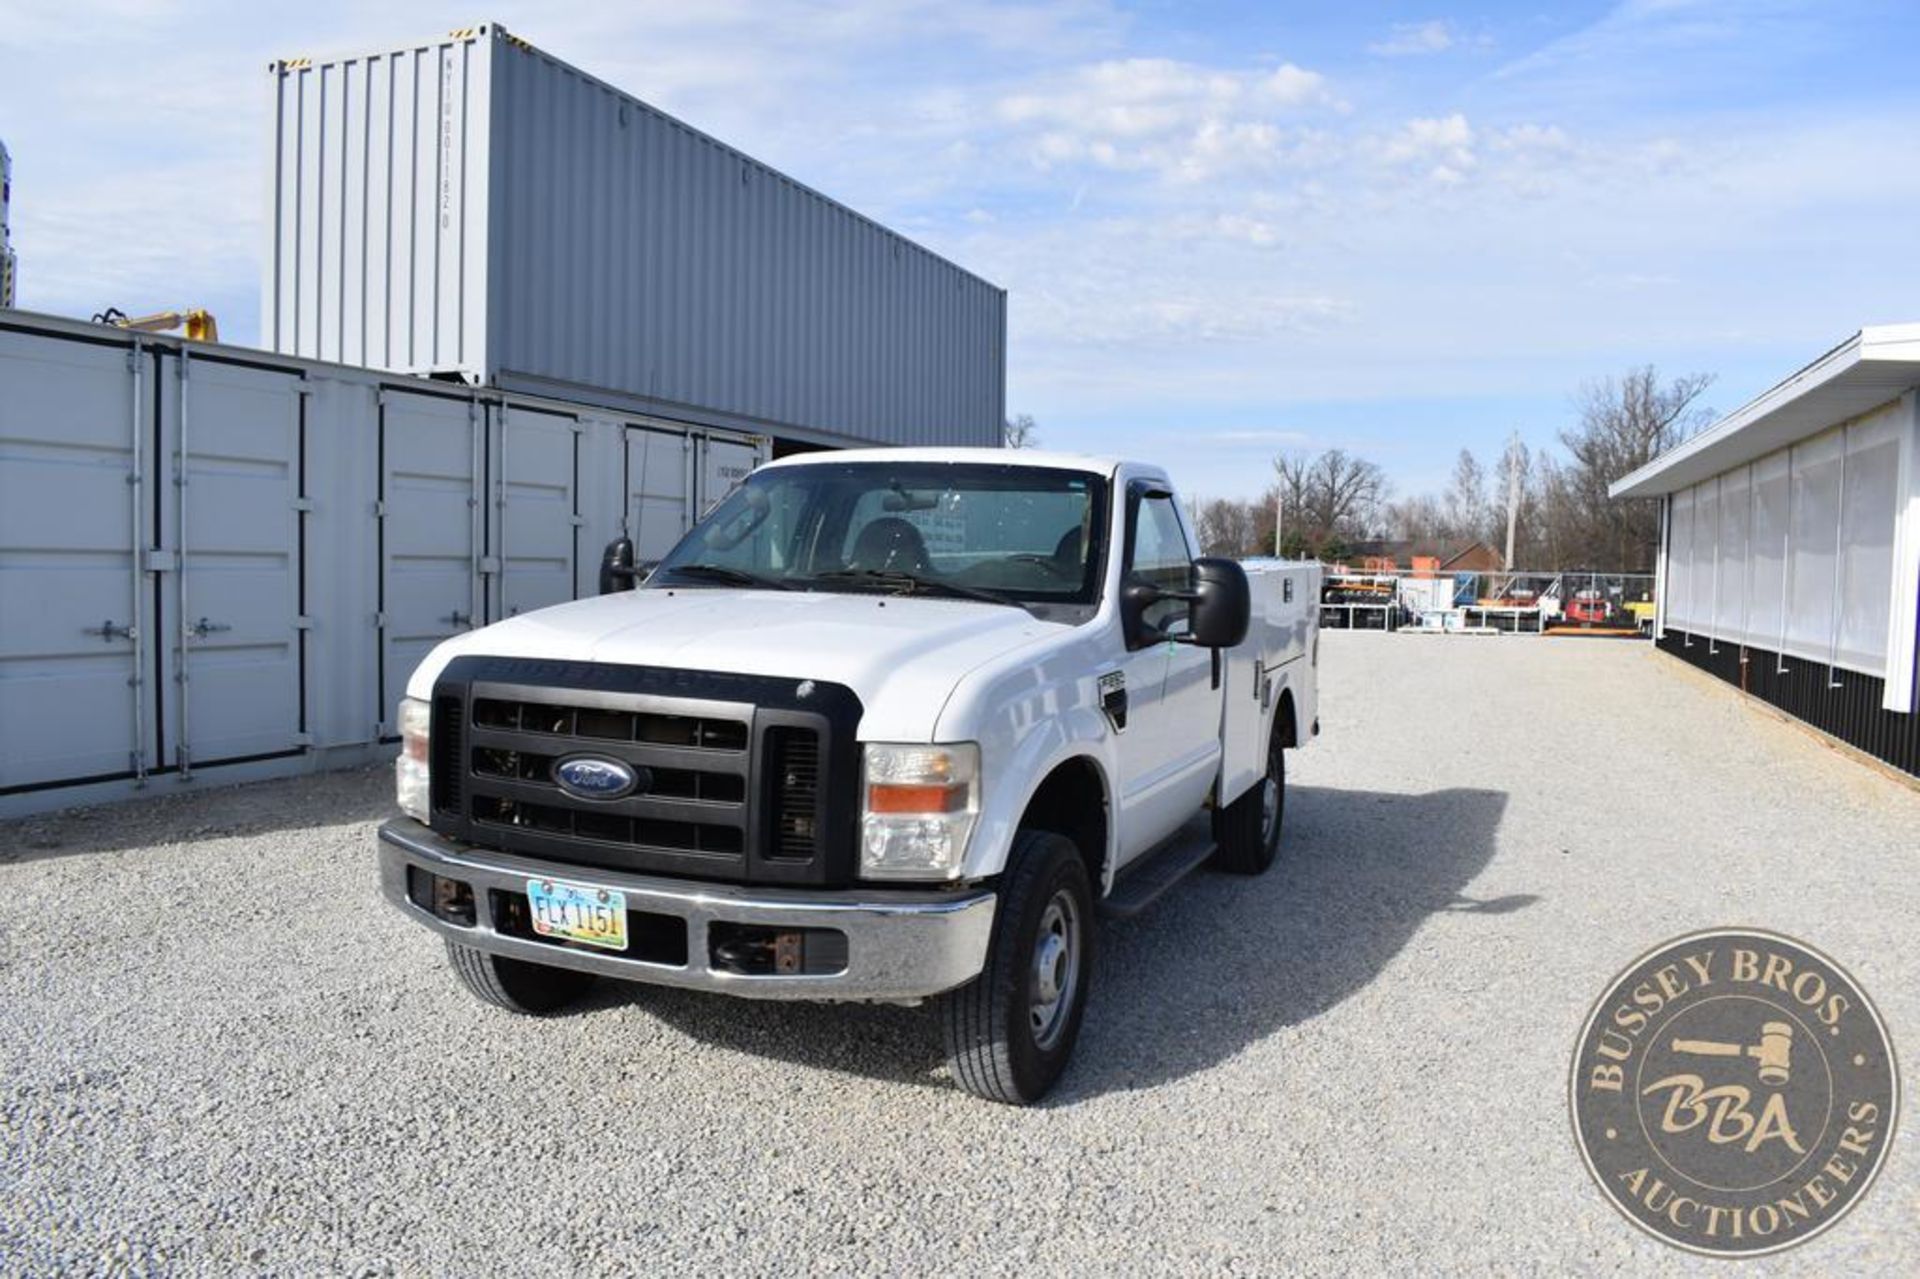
884, 725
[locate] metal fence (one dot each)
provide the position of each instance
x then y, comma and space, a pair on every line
1517, 602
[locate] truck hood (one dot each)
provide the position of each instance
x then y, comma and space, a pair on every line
901, 655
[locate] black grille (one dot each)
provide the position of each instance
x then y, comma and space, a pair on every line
600, 724
793, 776
740, 779
449, 729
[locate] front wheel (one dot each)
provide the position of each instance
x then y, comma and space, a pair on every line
515, 984
1010, 1030
1247, 831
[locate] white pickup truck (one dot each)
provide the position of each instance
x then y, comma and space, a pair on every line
885, 725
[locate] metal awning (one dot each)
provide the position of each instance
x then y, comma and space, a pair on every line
1871, 368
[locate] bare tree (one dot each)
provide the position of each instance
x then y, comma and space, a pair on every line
1625, 423
1420, 519
1226, 527
1467, 509
1331, 498
1021, 432
1564, 518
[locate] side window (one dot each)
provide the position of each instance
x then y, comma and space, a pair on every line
1159, 554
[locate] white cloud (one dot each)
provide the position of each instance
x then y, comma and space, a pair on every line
1180, 120
1533, 138
1422, 39
1443, 143
1410, 39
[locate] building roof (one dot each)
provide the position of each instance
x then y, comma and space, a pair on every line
1870, 368
1486, 552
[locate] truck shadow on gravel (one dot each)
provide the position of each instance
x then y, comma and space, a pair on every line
1219, 964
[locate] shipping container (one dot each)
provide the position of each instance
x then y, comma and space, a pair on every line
473, 207
219, 564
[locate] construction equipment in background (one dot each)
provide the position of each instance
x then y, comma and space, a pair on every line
8, 264
1595, 605
197, 323
1360, 601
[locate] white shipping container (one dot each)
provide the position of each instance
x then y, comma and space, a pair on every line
334, 524
471, 206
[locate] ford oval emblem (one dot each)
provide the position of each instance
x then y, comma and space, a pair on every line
596, 777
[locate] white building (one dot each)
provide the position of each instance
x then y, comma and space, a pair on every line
1790, 547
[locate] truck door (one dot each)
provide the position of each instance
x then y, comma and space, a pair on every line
1170, 747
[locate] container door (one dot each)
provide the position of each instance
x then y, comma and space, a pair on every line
535, 520
724, 463
230, 521
430, 488
659, 490
76, 692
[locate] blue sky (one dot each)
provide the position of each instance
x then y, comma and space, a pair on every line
1226, 229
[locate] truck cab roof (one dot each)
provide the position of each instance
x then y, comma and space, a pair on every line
974, 456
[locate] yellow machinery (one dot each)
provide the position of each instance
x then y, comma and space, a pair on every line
198, 323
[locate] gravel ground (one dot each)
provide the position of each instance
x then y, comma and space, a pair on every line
222, 1053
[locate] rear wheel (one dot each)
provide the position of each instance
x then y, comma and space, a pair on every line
514, 984
1247, 831
1010, 1030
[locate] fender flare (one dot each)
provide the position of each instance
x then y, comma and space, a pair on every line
1078, 734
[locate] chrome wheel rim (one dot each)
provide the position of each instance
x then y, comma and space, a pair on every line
1055, 977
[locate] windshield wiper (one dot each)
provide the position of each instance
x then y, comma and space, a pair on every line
909, 583
733, 576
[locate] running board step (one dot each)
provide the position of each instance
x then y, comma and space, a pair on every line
1142, 885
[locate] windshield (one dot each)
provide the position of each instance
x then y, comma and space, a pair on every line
1026, 535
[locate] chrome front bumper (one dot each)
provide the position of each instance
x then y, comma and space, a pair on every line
901, 945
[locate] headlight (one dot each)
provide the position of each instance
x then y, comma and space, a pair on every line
412, 780
920, 806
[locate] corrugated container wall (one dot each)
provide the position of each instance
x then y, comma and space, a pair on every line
474, 207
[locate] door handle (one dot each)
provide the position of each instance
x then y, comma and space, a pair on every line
203, 628
108, 631
457, 618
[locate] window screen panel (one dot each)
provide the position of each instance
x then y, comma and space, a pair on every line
1814, 524
1866, 540
1767, 551
1680, 561
1730, 590
1706, 543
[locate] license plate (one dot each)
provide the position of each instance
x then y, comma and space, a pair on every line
578, 912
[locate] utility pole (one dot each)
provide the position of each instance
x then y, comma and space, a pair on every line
1513, 495
7, 260
1279, 512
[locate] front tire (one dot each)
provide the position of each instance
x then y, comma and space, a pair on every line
1010, 1031
533, 990
1247, 831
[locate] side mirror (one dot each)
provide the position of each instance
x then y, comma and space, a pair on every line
1222, 606
617, 572
1222, 602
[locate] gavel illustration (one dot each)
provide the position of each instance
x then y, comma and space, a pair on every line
1774, 1052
